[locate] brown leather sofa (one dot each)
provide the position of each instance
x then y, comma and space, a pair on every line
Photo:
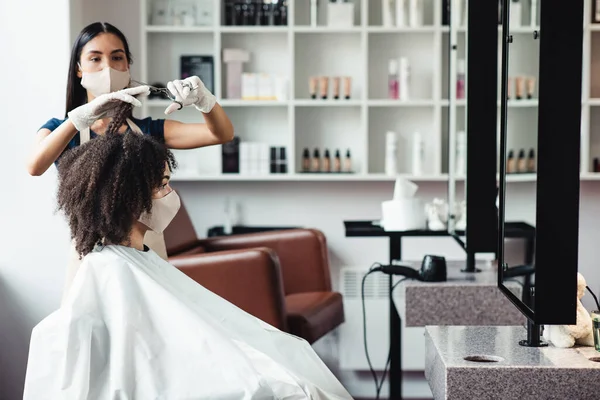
311, 308
237, 276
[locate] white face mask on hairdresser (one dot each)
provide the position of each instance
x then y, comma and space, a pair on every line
163, 212
105, 81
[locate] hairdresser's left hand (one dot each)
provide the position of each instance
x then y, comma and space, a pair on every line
191, 92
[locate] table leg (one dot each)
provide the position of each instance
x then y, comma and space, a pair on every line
395, 376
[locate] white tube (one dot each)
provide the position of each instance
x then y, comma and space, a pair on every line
533, 13
401, 13
457, 13
515, 14
415, 13
418, 150
404, 79
461, 153
391, 154
386, 13
313, 13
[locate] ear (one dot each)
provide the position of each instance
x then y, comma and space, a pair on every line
79, 75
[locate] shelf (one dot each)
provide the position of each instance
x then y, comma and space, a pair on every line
326, 29
401, 103
307, 177
254, 29
594, 27
525, 103
252, 103
179, 29
395, 29
327, 103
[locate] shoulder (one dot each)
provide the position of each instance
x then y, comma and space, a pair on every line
52, 124
152, 127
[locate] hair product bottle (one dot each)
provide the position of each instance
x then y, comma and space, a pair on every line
393, 84
391, 152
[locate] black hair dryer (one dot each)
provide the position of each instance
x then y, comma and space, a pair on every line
433, 269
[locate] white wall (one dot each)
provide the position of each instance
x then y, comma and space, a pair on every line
33, 240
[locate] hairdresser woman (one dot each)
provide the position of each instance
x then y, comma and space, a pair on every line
98, 82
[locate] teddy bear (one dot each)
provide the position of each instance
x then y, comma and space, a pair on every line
568, 335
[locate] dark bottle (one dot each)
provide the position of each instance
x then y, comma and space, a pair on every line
305, 160
316, 162
327, 162
510, 163
522, 162
348, 162
531, 161
282, 161
337, 162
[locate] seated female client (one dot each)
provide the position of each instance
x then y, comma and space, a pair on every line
132, 326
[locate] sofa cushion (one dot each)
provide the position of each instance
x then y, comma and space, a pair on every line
311, 315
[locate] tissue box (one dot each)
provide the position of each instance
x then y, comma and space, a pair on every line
403, 215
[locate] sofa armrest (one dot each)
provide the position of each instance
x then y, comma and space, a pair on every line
248, 278
302, 254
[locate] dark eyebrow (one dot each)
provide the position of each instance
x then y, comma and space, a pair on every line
112, 52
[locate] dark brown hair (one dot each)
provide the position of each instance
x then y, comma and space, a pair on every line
76, 94
108, 182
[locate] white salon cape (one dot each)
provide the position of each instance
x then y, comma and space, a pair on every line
133, 327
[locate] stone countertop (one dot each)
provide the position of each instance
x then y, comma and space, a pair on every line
464, 299
516, 372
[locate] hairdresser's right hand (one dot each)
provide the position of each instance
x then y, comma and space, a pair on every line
84, 116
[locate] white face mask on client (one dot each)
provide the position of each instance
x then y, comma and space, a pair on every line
163, 212
107, 80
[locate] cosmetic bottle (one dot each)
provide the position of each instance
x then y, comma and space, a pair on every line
348, 162
596, 165
274, 161
313, 13
520, 87
418, 149
531, 161
393, 83
326, 162
386, 13
458, 13
316, 161
522, 162
530, 87
312, 87
515, 14
324, 83
404, 79
282, 161
305, 160
461, 153
445, 12
510, 163
337, 162
415, 13
460, 79
347, 87
401, 13
336, 87
391, 154
596, 12
533, 12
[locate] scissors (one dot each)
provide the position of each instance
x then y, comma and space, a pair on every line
166, 92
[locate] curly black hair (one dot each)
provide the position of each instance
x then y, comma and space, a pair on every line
107, 183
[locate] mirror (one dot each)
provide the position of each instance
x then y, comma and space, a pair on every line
551, 127
456, 118
520, 117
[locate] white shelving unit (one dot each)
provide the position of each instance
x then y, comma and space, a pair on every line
300, 51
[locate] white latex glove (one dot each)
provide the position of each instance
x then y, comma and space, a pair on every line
84, 116
191, 92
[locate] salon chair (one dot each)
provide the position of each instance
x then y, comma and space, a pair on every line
247, 278
312, 309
